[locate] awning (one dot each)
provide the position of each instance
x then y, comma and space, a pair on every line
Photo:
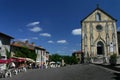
10, 60
18, 59
6, 61
52, 62
29, 60
3, 61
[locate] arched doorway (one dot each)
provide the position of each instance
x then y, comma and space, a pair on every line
100, 48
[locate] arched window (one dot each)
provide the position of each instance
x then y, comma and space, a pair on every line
85, 29
113, 29
113, 38
91, 28
85, 38
106, 28
107, 39
98, 17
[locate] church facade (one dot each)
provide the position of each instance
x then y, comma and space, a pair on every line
99, 34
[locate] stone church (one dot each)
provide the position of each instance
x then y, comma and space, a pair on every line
99, 34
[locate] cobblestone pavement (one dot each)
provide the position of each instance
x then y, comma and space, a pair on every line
74, 72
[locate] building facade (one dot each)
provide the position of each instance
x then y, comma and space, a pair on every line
4, 47
42, 56
18, 45
5, 41
99, 35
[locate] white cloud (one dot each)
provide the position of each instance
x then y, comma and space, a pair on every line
33, 23
23, 39
76, 31
45, 34
62, 41
50, 41
36, 38
35, 29
34, 26
73, 50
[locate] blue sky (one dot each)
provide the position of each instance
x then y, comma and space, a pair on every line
52, 24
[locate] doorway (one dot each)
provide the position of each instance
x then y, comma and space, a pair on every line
100, 48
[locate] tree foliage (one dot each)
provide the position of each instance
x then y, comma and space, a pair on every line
70, 60
26, 53
55, 57
67, 59
8, 53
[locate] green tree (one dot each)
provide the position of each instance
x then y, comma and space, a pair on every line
8, 53
55, 57
26, 53
67, 59
18, 53
70, 60
74, 60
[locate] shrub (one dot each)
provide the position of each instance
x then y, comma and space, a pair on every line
113, 59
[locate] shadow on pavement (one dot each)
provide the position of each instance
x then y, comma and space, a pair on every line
117, 76
110, 67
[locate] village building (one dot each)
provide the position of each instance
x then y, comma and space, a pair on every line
42, 55
17, 45
99, 34
5, 41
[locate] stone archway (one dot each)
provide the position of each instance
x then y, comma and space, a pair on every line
100, 48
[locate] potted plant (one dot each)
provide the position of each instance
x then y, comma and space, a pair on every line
113, 59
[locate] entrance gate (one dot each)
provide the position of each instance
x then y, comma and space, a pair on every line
100, 48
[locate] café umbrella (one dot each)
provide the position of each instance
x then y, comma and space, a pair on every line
3, 61
20, 60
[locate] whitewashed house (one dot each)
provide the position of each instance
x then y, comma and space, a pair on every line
42, 56
4, 46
